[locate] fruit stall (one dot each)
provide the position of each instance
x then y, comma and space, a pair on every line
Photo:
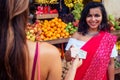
51, 25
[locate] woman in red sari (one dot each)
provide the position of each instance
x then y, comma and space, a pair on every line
93, 37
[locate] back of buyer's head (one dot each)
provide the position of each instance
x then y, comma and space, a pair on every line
13, 48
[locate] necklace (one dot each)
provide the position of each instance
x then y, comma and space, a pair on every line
92, 33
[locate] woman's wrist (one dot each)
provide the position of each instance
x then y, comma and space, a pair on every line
73, 67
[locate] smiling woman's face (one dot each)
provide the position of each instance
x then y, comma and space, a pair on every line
94, 18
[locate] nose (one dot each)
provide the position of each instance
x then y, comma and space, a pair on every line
93, 18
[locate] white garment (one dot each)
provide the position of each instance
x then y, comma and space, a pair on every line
78, 44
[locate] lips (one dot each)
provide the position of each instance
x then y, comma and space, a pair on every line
93, 23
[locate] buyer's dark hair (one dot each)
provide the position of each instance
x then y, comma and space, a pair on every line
83, 26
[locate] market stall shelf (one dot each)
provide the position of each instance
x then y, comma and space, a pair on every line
117, 70
116, 32
58, 41
46, 16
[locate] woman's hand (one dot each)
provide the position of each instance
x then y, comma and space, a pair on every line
76, 62
68, 55
72, 70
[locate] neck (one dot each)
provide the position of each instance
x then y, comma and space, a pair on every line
92, 33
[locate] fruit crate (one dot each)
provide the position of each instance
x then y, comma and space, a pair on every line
116, 32
58, 41
46, 16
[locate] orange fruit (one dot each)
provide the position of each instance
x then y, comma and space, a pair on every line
59, 20
52, 24
62, 34
67, 34
58, 35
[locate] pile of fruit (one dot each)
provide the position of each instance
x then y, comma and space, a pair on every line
117, 61
33, 31
115, 24
97, 0
49, 30
78, 7
118, 45
46, 1
70, 28
70, 3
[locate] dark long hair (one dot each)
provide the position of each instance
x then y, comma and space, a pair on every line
83, 26
13, 48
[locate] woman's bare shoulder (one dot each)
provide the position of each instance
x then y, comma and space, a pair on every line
49, 54
76, 35
45, 49
50, 60
48, 49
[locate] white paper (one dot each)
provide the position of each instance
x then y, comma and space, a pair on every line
81, 53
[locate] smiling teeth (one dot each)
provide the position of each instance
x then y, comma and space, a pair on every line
93, 23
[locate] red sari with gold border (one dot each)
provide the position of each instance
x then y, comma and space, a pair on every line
95, 65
